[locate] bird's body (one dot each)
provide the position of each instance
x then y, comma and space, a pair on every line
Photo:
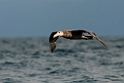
73, 35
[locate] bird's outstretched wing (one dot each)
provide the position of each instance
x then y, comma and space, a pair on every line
52, 46
94, 35
52, 41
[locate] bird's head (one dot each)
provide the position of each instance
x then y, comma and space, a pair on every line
59, 33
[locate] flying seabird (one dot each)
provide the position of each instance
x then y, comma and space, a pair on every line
72, 35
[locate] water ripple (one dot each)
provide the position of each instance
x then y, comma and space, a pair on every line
29, 60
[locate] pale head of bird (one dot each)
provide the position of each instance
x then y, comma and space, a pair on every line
59, 33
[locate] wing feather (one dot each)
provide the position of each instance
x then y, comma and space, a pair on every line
94, 35
52, 41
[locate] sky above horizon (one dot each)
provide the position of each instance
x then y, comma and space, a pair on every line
38, 18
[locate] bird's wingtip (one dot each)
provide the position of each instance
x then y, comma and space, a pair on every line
52, 46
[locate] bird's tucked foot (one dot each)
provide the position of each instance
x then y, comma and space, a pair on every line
87, 37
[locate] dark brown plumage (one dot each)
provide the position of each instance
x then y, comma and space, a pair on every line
73, 35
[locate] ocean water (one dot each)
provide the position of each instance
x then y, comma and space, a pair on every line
29, 60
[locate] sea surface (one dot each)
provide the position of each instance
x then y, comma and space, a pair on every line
29, 60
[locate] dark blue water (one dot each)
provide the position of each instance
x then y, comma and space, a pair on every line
28, 60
